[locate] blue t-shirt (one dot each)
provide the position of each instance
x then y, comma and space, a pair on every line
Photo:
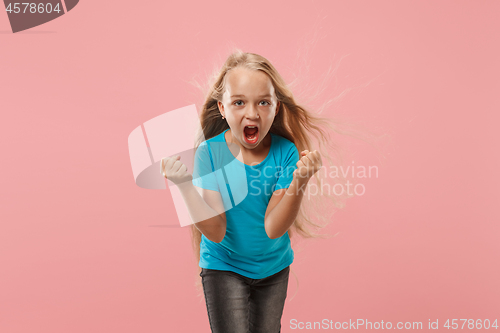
245, 191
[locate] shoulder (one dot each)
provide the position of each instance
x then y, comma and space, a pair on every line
208, 143
283, 145
218, 138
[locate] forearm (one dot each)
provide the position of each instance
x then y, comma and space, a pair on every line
281, 218
208, 221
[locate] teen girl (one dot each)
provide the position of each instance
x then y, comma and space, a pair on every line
246, 192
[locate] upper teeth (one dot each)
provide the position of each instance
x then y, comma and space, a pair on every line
251, 126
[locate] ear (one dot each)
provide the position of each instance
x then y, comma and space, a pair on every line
221, 107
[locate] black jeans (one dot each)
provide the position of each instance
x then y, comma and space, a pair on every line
238, 304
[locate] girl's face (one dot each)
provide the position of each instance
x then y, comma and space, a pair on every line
249, 100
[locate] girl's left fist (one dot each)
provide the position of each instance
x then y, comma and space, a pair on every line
308, 165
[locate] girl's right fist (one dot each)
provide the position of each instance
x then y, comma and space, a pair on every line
174, 170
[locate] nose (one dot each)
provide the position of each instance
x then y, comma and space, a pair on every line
252, 112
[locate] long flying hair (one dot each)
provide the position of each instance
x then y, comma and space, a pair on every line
293, 122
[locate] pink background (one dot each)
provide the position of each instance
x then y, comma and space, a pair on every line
83, 249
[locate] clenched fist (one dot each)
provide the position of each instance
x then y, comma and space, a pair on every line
308, 165
174, 170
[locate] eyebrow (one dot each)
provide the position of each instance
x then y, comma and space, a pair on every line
259, 96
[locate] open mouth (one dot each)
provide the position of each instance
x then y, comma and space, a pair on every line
251, 134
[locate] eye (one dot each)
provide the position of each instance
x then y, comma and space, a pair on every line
240, 101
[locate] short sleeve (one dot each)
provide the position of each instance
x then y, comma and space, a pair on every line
203, 169
289, 159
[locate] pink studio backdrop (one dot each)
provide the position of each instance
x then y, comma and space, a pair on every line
84, 249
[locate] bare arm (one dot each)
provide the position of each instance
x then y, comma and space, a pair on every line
204, 206
284, 205
206, 210
283, 208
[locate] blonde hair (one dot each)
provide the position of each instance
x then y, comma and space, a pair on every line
293, 122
